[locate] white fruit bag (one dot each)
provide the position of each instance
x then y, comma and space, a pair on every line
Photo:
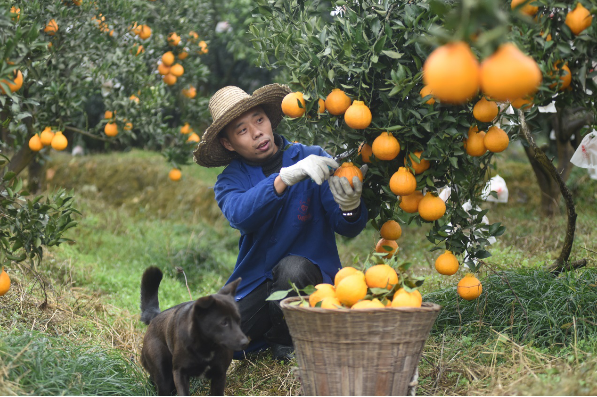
586, 153
496, 184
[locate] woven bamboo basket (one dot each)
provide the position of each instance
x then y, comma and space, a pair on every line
358, 352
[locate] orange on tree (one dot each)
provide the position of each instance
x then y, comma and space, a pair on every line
185, 129
351, 290
177, 70
474, 144
496, 140
140, 48
51, 28
365, 151
427, 91
403, 182
446, 263
290, 105
431, 207
320, 106
527, 9
173, 39
190, 92
175, 174
485, 110
16, 12
403, 298
111, 129
452, 73
358, 116
128, 126
14, 85
388, 247
134, 98
193, 36
349, 171
4, 282
381, 276
35, 143
108, 114
145, 32
163, 69
183, 54
168, 58
410, 203
321, 291
193, 137
469, 287
203, 48
368, 304
170, 79
565, 78
345, 272
337, 102
390, 230
509, 74
59, 142
523, 103
385, 146
579, 19
419, 167
46, 136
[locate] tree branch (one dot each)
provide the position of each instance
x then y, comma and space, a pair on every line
90, 135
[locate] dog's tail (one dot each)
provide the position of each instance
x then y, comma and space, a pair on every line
150, 305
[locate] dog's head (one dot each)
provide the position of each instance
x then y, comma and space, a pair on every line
218, 318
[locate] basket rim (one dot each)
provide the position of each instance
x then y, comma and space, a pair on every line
425, 307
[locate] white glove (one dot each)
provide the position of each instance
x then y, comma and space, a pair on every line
316, 167
347, 198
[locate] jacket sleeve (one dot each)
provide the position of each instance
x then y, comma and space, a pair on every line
248, 208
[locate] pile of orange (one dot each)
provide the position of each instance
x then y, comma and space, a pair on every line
48, 138
170, 70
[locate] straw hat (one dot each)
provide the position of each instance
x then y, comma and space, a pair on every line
226, 105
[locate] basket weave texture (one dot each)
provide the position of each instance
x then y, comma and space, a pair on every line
369, 352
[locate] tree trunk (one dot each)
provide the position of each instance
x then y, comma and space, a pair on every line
35, 176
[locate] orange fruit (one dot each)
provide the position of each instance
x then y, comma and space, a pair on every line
410, 203
290, 105
418, 295
145, 32
579, 19
351, 290
358, 116
385, 146
565, 78
469, 287
419, 167
59, 142
140, 49
35, 143
170, 79
368, 304
134, 98
163, 69
51, 28
496, 140
46, 136
108, 114
427, 91
193, 137
183, 55
403, 182
168, 58
365, 151
337, 102
185, 129
485, 110
390, 230
320, 106
446, 263
431, 207
331, 302
16, 13
349, 171
522, 103
452, 73
128, 126
203, 48
345, 272
385, 246
175, 174
526, 9
509, 74
475, 145
193, 36
173, 39
403, 298
14, 85
321, 291
111, 129
190, 92
4, 282
177, 70
381, 276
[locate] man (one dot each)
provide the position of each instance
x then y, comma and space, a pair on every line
282, 199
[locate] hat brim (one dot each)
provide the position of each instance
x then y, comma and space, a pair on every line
210, 152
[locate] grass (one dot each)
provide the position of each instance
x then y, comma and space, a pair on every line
134, 217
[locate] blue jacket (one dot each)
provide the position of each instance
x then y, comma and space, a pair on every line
301, 221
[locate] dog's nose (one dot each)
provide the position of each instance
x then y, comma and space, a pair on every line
244, 342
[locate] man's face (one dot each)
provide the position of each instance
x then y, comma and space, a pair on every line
250, 135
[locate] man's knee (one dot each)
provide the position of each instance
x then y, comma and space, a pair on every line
298, 270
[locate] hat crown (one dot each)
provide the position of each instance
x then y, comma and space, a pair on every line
224, 100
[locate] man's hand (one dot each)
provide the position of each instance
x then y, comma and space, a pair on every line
347, 198
317, 168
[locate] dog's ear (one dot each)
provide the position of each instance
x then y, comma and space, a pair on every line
205, 302
230, 289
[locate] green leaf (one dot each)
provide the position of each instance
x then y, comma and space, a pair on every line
278, 295
392, 54
9, 175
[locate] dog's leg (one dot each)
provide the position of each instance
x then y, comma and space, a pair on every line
182, 382
218, 384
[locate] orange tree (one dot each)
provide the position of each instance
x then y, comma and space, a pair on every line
375, 52
63, 64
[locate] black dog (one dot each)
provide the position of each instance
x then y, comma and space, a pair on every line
195, 338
